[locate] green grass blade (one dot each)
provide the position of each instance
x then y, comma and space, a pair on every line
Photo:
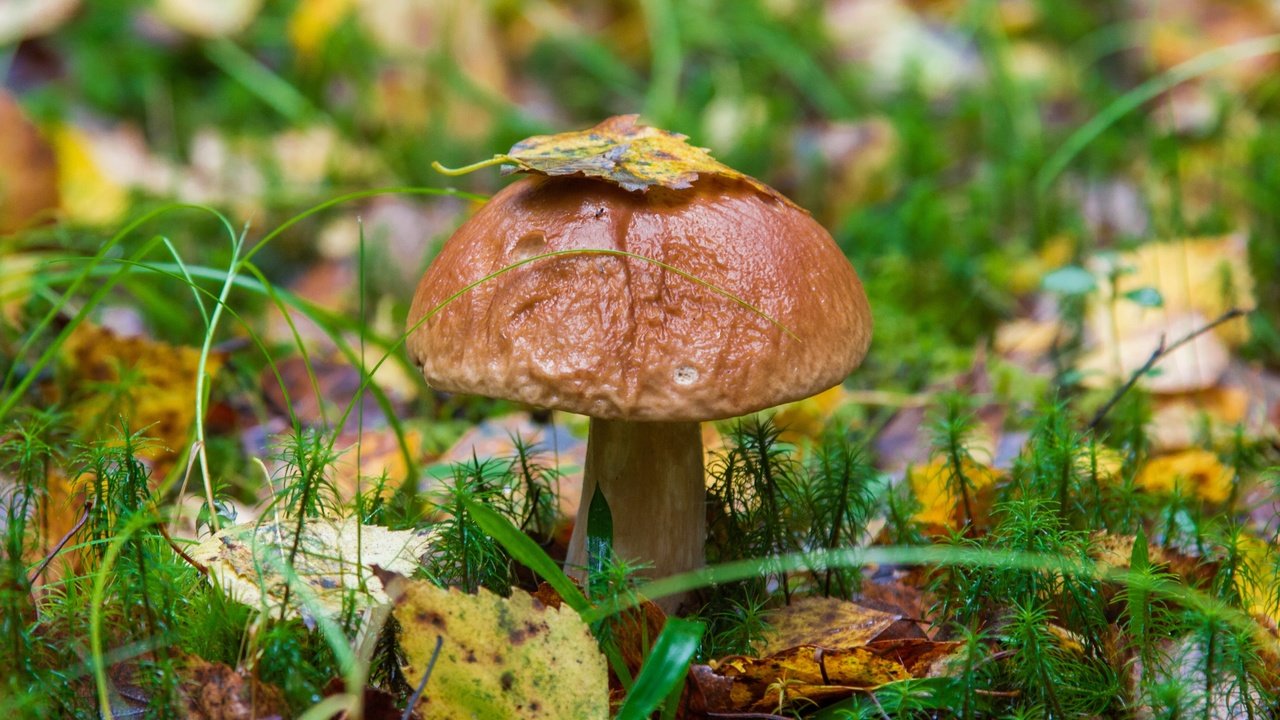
526, 551
1148, 90
664, 669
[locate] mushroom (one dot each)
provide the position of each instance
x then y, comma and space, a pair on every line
765, 309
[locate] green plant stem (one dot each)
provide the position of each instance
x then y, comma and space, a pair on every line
466, 169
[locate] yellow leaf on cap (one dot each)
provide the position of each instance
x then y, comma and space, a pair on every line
626, 153
500, 657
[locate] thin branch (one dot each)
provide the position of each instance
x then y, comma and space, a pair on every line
1160, 351
84, 518
426, 675
204, 570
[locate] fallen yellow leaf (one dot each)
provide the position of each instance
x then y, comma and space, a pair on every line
805, 673
804, 420
934, 489
1205, 276
89, 195
1195, 365
331, 566
829, 623
313, 21
148, 382
499, 657
1198, 472
1177, 420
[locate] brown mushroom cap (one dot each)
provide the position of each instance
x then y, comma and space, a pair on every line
621, 338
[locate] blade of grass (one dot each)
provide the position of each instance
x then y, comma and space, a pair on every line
1149, 89
258, 79
526, 551
1189, 597
664, 669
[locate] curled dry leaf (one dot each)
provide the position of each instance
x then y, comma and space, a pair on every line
808, 675
252, 563
1115, 552
214, 691
829, 623
633, 156
499, 657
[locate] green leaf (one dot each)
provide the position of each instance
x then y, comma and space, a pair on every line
1148, 297
1070, 280
526, 551
1137, 597
599, 533
665, 667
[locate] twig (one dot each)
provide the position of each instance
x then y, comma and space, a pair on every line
413, 701
204, 570
84, 518
1160, 351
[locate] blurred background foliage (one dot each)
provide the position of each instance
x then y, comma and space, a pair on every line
926, 134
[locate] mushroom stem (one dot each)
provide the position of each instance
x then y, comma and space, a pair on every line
651, 474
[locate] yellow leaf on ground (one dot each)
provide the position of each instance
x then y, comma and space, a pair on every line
148, 382
1196, 472
313, 21
1256, 586
17, 277
936, 491
1204, 276
624, 152
1029, 338
805, 419
805, 674
500, 657
829, 623
331, 566
1177, 420
89, 194
1194, 365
